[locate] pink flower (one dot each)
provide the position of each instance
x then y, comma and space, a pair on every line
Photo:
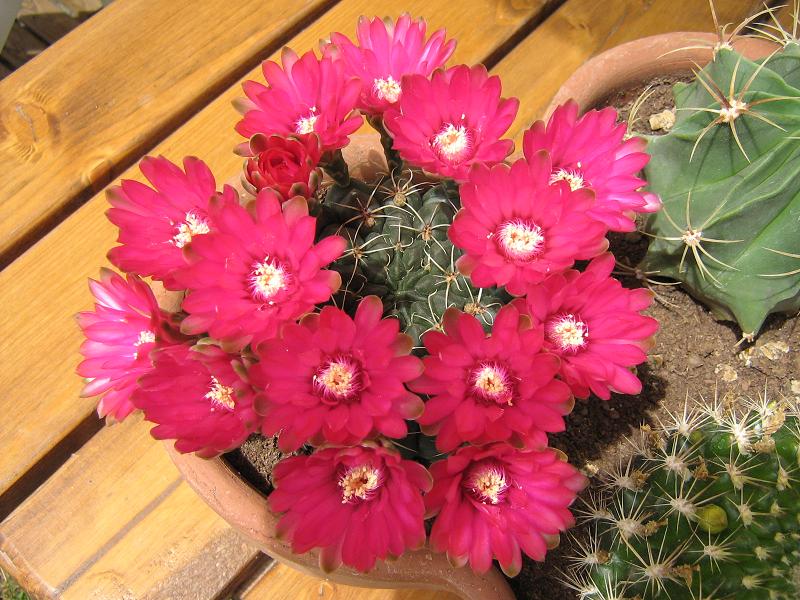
516, 229
195, 396
495, 501
257, 271
590, 153
305, 95
490, 388
124, 327
452, 121
290, 166
385, 53
335, 379
356, 504
594, 325
156, 223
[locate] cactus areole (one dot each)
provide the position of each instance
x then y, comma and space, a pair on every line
728, 174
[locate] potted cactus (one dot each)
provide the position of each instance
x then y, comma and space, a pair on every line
706, 508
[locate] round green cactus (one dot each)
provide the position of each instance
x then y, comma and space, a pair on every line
708, 508
398, 249
729, 176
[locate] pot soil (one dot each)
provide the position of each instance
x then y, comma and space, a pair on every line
694, 354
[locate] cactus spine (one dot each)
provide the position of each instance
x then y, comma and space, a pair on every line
729, 176
708, 509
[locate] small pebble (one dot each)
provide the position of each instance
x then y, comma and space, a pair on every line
774, 350
795, 387
727, 373
663, 121
694, 362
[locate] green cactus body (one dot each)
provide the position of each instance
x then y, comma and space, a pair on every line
708, 509
729, 227
398, 249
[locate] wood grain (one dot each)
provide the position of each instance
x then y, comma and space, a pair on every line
44, 288
535, 69
115, 86
284, 583
117, 521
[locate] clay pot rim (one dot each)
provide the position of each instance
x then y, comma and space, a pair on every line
638, 61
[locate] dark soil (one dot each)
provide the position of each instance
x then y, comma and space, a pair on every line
694, 354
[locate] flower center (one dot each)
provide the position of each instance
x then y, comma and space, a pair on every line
492, 383
568, 332
145, 337
338, 379
305, 125
387, 89
267, 279
572, 176
486, 482
193, 225
360, 483
453, 143
220, 395
520, 240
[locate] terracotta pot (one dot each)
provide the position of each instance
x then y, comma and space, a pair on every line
641, 60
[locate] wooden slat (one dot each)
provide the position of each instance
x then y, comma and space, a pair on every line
111, 89
47, 19
537, 67
45, 287
284, 583
117, 521
21, 46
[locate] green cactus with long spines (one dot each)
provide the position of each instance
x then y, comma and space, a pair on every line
709, 509
728, 174
398, 249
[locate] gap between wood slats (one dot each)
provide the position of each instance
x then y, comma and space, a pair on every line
157, 135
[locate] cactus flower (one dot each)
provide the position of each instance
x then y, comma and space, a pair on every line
357, 504
498, 501
288, 165
336, 379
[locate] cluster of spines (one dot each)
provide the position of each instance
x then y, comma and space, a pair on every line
398, 248
708, 508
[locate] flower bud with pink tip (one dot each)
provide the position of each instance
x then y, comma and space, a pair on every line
336, 379
497, 501
125, 326
516, 229
260, 269
358, 505
385, 53
595, 326
592, 152
487, 388
197, 397
452, 121
303, 95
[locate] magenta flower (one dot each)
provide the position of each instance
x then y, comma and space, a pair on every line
255, 272
452, 121
498, 501
385, 53
125, 326
196, 397
357, 504
156, 223
290, 166
594, 325
304, 95
590, 153
516, 229
490, 388
335, 379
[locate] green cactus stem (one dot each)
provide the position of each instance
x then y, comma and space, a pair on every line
729, 176
709, 508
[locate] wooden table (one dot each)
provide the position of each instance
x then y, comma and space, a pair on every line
94, 513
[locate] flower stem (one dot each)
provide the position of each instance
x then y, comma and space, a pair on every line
334, 165
392, 157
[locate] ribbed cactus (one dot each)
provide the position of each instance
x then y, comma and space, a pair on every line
399, 250
729, 176
708, 509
